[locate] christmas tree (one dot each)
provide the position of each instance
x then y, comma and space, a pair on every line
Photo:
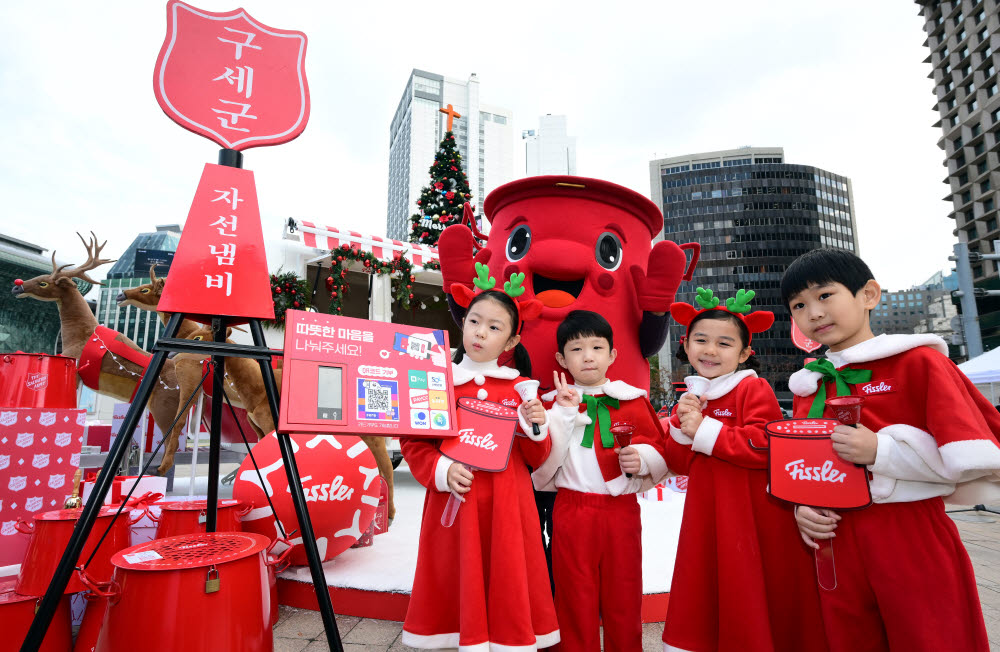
441, 202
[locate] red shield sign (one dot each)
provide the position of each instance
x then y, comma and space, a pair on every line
800, 340
220, 267
231, 79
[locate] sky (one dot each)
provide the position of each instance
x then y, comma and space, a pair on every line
841, 86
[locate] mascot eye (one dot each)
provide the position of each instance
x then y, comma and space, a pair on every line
608, 251
43, 284
145, 291
518, 243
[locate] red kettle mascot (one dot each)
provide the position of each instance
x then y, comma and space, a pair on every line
583, 244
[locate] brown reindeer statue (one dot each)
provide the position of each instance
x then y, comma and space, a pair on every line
244, 384
107, 361
147, 296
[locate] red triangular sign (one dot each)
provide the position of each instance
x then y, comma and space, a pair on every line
220, 267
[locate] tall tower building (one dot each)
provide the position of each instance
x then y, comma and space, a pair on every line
549, 149
484, 135
132, 270
962, 39
753, 214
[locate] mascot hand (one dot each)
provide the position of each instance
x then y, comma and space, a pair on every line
455, 251
656, 286
455, 247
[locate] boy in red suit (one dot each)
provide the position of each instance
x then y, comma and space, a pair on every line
904, 580
597, 540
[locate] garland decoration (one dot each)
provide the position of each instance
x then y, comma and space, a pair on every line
399, 267
287, 291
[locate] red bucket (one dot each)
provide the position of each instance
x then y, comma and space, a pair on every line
188, 517
16, 613
50, 534
804, 469
215, 583
37, 380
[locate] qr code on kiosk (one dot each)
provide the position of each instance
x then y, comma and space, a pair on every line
378, 400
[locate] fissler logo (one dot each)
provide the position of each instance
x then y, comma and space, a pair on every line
485, 441
872, 388
798, 470
722, 412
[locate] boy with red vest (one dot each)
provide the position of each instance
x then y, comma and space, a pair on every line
597, 533
904, 580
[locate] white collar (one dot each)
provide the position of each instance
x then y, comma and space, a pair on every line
805, 382
617, 389
722, 385
468, 369
884, 346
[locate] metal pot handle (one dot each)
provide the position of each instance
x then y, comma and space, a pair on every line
107, 589
24, 527
243, 509
280, 563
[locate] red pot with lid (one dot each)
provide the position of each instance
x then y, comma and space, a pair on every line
50, 534
16, 613
215, 583
37, 380
189, 516
804, 469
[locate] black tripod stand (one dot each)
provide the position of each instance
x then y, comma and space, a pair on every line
219, 349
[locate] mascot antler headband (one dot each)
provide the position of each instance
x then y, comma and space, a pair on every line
739, 307
526, 308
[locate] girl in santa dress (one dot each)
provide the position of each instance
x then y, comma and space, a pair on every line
482, 583
741, 579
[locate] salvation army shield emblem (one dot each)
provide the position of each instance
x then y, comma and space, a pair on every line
33, 504
57, 480
25, 439
37, 381
232, 79
46, 418
8, 528
64, 438
40, 460
4, 462
17, 482
8, 418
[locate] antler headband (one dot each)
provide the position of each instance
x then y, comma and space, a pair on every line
739, 307
526, 308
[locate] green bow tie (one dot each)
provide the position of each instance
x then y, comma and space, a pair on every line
842, 378
597, 410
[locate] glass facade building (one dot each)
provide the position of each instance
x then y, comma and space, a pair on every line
27, 324
141, 326
753, 214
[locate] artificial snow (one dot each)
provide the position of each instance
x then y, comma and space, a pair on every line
389, 563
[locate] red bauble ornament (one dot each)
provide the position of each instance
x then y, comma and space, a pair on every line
296, 304
333, 295
368, 263
413, 278
278, 291
293, 291
345, 246
411, 296
340, 259
424, 234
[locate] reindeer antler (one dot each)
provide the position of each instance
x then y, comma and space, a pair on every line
741, 303
705, 298
513, 287
55, 270
483, 280
93, 260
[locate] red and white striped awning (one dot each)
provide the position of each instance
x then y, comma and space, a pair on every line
329, 237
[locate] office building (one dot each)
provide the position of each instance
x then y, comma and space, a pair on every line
753, 213
962, 40
549, 149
